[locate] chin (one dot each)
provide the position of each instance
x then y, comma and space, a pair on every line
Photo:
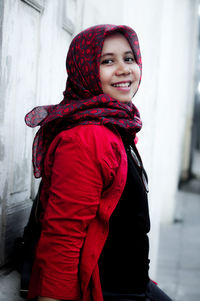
124, 100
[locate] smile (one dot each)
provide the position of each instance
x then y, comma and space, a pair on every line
122, 84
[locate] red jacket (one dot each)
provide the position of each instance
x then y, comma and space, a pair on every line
85, 173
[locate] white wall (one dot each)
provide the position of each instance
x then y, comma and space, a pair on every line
34, 44
167, 32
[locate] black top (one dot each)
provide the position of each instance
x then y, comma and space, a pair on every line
124, 262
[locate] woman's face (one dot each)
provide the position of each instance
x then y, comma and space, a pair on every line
119, 72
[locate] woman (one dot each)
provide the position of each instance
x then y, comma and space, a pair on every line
93, 244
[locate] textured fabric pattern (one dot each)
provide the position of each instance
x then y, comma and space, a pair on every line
84, 101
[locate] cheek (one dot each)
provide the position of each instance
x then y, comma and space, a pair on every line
102, 75
104, 78
137, 72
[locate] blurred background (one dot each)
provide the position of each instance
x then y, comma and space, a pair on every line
34, 39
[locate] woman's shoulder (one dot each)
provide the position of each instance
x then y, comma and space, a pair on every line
96, 145
92, 134
99, 141
94, 129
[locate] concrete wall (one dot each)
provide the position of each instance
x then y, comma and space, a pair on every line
32, 59
35, 38
168, 39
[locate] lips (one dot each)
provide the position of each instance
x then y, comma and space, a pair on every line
125, 84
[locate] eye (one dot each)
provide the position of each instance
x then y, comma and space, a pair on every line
130, 59
107, 62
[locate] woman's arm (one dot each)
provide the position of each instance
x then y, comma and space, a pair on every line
83, 164
74, 196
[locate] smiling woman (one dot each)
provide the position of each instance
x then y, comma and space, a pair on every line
94, 240
119, 72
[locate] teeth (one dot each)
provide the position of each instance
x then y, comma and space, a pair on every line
122, 85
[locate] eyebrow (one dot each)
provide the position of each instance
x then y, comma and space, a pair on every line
110, 53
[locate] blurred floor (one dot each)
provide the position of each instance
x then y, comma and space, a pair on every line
179, 250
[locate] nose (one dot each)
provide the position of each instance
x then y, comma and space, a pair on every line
122, 69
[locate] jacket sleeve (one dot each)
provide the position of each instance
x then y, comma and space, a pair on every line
81, 169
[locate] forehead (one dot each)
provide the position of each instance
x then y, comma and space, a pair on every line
115, 41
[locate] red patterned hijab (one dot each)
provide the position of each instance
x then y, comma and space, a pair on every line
84, 101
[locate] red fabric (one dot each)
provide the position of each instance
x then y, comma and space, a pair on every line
84, 176
84, 101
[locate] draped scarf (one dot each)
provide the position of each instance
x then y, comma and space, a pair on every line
84, 101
